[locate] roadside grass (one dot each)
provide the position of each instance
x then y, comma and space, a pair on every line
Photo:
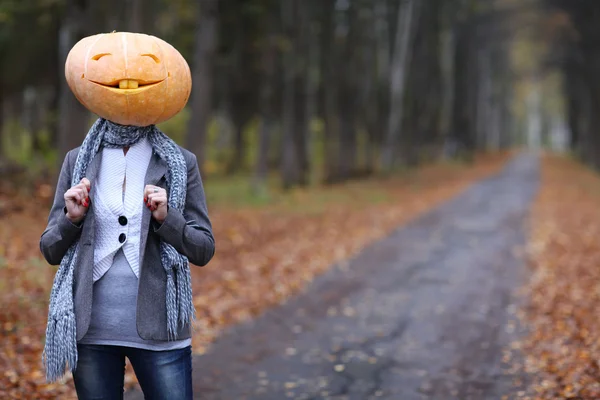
237, 193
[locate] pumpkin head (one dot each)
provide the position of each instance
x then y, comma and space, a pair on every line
129, 78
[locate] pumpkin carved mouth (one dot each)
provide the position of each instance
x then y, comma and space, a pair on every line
128, 85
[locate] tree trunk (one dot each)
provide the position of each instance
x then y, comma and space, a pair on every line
311, 93
2, 155
73, 118
473, 82
460, 140
577, 106
200, 109
380, 109
534, 117
506, 118
302, 39
134, 16
592, 145
267, 115
261, 169
422, 108
370, 94
330, 91
289, 163
237, 161
32, 112
400, 62
300, 129
447, 50
347, 158
484, 100
290, 168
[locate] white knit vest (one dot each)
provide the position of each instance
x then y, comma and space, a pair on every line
119, 193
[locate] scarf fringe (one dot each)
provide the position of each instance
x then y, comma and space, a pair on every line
180, 305
171, 307
187, 311
60, 350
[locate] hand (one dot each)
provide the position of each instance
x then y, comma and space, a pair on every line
77, 200
156, 200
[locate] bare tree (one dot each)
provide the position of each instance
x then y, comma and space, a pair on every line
200, 109
267, 117
135, 15
399, 66
73, 117
290, 163
1, 125
329, 89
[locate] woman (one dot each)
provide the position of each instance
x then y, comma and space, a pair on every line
129, 215
116, 217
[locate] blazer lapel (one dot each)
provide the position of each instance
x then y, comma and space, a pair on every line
83, 273
157, 168
91, 174
92, 171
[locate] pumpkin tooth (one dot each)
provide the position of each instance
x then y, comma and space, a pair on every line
123, 84
132, 84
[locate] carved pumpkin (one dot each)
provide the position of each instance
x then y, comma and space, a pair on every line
129, 78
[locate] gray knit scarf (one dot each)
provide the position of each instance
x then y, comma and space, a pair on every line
60, 351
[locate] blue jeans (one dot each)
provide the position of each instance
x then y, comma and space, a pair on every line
163, 375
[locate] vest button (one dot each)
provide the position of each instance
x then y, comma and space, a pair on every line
122, 237
123, 220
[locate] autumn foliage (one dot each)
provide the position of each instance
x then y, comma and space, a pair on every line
563, 346
264, 255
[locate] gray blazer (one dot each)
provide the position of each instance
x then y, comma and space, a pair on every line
189, 232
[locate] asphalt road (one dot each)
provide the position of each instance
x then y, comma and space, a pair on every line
422, 314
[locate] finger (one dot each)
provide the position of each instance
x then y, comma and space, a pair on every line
149, 189
73, 195
157, 202
155, 190
151, 204
76, 198
77, 192
154, 199
148, 200
83, 195
86, 182
156, 195
70, 203
83, 190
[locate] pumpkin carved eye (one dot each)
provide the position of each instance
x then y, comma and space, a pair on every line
99, 56
152, 56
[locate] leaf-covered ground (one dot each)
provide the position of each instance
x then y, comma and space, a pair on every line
563, 308
264, 255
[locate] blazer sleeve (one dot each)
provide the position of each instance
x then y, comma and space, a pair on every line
60, 232
190, 232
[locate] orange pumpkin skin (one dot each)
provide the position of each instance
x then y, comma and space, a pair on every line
97, 65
